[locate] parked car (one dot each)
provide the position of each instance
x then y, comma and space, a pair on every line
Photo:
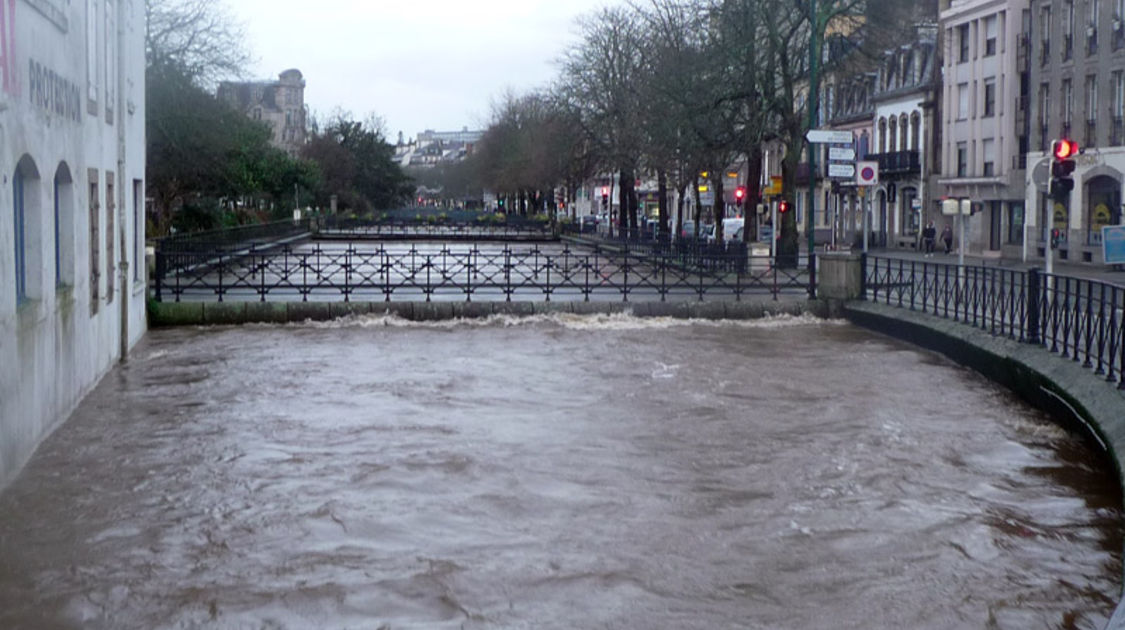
589, 223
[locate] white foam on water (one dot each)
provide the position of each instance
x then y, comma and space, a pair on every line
625, 321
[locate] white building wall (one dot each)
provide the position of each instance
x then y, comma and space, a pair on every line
61, 115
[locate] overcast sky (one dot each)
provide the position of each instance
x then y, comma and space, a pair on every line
426, 64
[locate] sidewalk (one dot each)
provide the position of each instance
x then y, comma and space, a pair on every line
1102, 273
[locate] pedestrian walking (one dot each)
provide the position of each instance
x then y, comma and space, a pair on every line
947, 238
929, 233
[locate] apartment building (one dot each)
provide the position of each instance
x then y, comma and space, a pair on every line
904, 138
984, 114
1078, 79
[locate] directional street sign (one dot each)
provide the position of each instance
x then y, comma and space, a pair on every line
844, 171
827, 136
838, 154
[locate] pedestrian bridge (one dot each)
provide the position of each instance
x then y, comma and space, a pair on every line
424, 262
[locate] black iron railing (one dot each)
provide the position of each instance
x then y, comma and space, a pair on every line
1077, 318
228, 240
729, 256
511, 230
469, 273
899, 162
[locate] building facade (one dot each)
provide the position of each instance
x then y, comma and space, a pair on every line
72, 164
984, 119
279, 104
1078, 78
903, 139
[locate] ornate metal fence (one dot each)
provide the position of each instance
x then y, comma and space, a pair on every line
379, 272
1077, 318
512, 230
230, 240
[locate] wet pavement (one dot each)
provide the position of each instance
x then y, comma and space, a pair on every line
566, 472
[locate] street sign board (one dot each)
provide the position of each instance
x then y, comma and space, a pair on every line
707, 198
841, 154
1113, 244
828, 136
845, 171
866, 173
774, 188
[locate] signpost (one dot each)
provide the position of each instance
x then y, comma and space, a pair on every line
841, 171
828, 136
838, 154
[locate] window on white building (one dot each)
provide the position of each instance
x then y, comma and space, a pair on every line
64, 228
110, 236
1068, 29
963, 41
1118, 81
991, 29
962, 101
94, 206
989, 97
20, 233
110, 60
92, 24
962, 159
1067, 105
1091, 97
988, 157
138, 228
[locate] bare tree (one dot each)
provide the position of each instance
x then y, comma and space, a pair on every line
601, 80
201, 37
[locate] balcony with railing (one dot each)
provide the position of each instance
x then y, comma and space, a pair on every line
899, 162
1117, 131
1091, 133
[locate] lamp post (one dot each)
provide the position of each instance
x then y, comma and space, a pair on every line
814, 104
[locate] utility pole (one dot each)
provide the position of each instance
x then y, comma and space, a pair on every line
814, 105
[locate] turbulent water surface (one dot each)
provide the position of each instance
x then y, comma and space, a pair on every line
556, 473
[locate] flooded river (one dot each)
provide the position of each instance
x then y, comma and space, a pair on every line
568, 472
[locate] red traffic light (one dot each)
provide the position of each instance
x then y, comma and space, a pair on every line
740, 193
1064, 149
783, 206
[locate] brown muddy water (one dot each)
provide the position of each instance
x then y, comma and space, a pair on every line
602, 472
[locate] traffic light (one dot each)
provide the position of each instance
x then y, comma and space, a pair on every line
1062, 166
782, 206
740, 195
1056, 235
500, 203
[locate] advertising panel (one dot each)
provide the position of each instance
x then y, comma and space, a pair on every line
1113, 244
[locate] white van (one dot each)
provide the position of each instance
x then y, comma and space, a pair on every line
732, 230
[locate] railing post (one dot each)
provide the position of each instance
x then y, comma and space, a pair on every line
1033, 299
159, 273
812, 275
863, 276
